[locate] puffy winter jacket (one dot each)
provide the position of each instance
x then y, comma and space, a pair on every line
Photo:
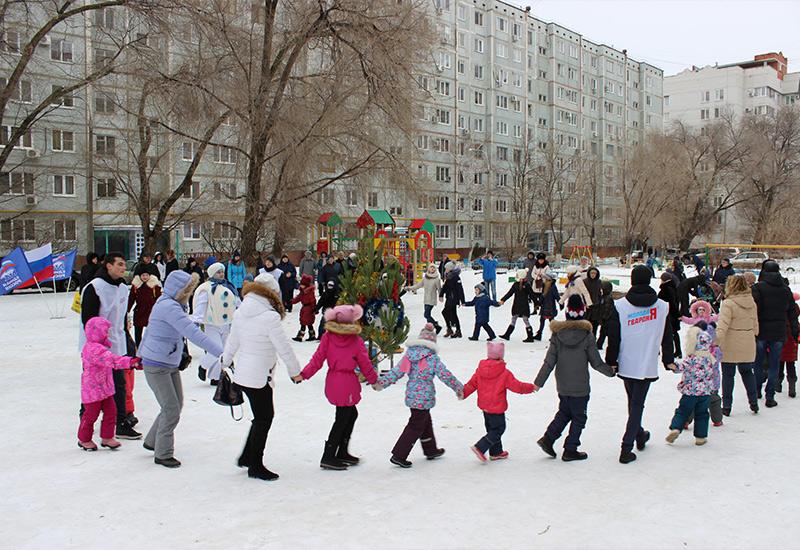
775, 306
482, 304
721, 274
491, 380
523, 295
432, 285
425, 365
256, 341
576, 286
97, 382
549, 307
344, 350
308, 298
144, 297
162, 345
236, 273
737, 329
452, 290
489, 268
572, 348
537, 273
698, 369
308, 265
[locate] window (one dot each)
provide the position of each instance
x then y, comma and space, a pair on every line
9, 42
64, 186
396, 210
477, 178
477, 205
502, 128
719, 95
477, 124
17, 230
104, 104
460, 231
16, 183
106, 188
502, 152
478, 98
573, 51
517, 131
461, 204
63, 141
441, 145
422, 142
372, 199
477, 231
443, 116
192, 190
65, 230
442, 173
542, 74
105, 145
191, 231
501, 101
502, 24
462, 12
542, 50
225, 190
326, 197
705, 96
102, 58
461, 93
442, 202
224, 155
704, 114
187, 150
501, 205
104, 18
443, 87
517, 55
225, 230
501, 179
479, 45
478, 19
461, 66
443, 231
25, 141
502, 50
350, 197
61, 50
22, 93
478, 71
445, 60
717, 112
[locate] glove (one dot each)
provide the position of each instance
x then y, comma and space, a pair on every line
136, 363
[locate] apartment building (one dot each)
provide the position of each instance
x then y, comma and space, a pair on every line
502, 83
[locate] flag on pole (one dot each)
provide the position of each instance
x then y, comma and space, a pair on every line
62, 265
40, 262
14, 271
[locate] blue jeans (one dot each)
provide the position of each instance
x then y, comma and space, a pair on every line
572, 411
491, 289
428, 316
728, 374
495, 427
772, 351
688, 404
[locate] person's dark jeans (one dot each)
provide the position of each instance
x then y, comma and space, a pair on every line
485, 326
676, 344
428, 316
772, 352
748, 378
788, 370
637, 395
572, 411
137, 335
419, 427
119, 395
263, 412
491, 288
450, 315
343, 425
697, 404
495, 427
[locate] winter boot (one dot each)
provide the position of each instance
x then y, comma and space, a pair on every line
502, 456
112, 444
87, 445
507, 335
771, 403
754, 407
435, 454
642, 439
538, 337
726, 412
311, 335
700, 441
478, 453
170, 462
573, 454
400, 462
457, 333
131, 419
201, 373
530, 338
448, 333
547, 446
437, 327
626, 456
329, 460
672, 436
300, 334
126, 431
260, 472
792, 388
344, 456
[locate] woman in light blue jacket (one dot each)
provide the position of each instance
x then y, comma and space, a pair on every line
161, 351
236, 271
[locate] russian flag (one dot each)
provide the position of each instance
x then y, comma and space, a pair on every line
40, 261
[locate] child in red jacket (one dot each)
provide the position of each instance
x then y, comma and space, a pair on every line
308, 299
492, 379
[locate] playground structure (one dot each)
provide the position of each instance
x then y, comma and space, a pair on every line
413, 246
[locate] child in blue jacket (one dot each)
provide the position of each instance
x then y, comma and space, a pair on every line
422, 364
482, 303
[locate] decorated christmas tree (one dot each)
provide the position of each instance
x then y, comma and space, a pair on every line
375, 283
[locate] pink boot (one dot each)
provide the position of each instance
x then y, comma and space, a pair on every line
87, 445
112, 444
501, 456
478, 453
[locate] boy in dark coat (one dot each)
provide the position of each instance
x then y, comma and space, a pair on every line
308, 299
522, 292
669, 293
482, 303
572, 349
549, 305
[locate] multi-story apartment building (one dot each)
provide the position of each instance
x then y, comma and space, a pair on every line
503, 85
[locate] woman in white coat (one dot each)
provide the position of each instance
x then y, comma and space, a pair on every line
214, 303
256, 341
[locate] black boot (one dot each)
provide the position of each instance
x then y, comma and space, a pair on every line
754, 407
400, 462
201, 373
311, 335
538, 336
792, 388
626, 456
547, 446
642, 439
345, 456
300, 334
259, 471
529, 331
437, 327
329, 460
457, 333
448, 333
507, 335
573, 454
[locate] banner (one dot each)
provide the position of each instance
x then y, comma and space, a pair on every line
62, 265
14, 271
40, 262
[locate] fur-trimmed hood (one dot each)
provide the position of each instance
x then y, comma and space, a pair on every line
342, 328
412, 342
571, 333
152, 282
558, 326
269, 295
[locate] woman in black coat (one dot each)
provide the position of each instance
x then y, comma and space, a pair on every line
522, 292
669, 293
288, 282
453, 293
593, 283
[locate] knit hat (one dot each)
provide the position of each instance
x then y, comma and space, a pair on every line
344, 314
495, 350
306, 280
481, 287
576, 308
427, 338
209, 261
269, 281
572, 269
522, 274
214, 268
541, 256
449, 266
665, 277
770, 266
641, 275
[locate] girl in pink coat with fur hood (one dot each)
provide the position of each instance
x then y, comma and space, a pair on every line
97, 385
344, 350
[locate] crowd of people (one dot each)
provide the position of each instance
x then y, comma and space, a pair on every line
747, 324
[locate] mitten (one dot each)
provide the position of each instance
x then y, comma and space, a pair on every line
136, 363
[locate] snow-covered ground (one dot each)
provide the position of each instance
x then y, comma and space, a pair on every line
739, 491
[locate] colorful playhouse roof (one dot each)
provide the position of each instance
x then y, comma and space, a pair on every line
423, 224
330, 219
372, 218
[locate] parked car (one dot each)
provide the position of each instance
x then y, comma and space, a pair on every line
749, 260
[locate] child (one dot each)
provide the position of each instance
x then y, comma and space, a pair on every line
702, 317
433, 287
697, 385
789, 356
215, 301
327, 300
97, 385
549, 303
492, 379
308, 299
700, 311
422, 364
606, 306
453, 293
523, 294
481, 303
572, 349
344, 350
145, 290
575, 285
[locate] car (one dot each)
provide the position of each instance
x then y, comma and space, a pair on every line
749, 260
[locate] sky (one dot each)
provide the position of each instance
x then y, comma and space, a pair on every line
676, 34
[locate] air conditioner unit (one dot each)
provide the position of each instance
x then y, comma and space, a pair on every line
30, 200
32, 153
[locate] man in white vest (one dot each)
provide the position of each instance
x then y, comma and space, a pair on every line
637, 327
107, 296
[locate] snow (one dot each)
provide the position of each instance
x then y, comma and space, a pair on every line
739, 490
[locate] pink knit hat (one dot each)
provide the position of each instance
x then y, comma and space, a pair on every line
495, 350
428, 333
344, 314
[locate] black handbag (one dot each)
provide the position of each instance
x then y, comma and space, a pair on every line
186, 359
229, 394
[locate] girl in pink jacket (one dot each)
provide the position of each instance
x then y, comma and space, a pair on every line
344, 350
97, 385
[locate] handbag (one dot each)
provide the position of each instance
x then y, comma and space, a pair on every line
186, 359
228, 394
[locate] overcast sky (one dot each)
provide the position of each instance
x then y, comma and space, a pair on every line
676, 34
